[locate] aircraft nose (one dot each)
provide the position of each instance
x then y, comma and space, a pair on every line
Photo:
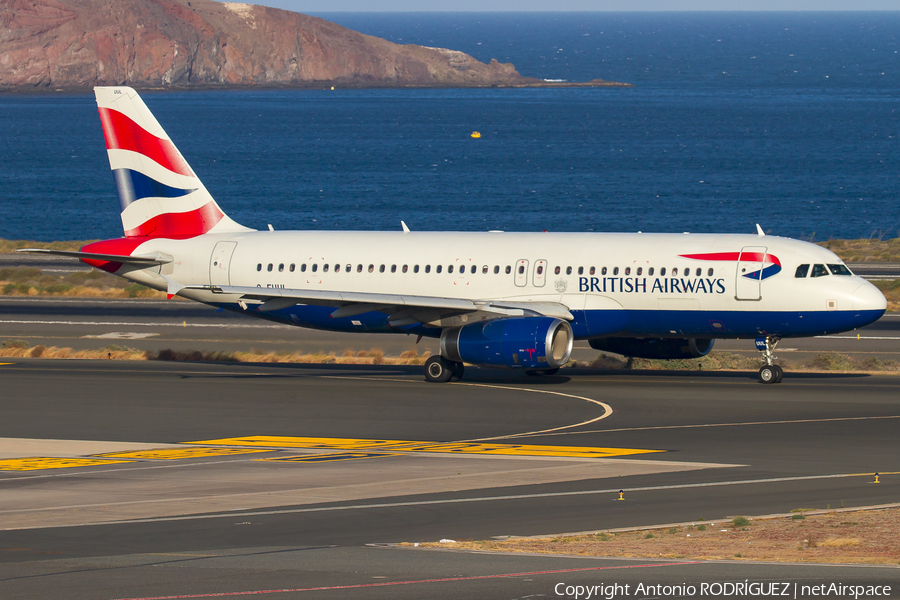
869, 297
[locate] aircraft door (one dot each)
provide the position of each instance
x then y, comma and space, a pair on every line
748, 279
539, 278
521, 273
220, 263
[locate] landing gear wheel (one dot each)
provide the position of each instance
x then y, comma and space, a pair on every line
438, 369
768, 374
537, 372
780, 373
458, 370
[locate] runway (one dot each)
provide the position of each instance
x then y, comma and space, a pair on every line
181, 325
367, 456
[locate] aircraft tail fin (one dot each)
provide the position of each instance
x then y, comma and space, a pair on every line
159, 193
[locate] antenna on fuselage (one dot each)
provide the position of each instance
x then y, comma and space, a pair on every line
760, 231
405, 228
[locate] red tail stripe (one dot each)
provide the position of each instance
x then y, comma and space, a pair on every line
735, 256
122, 133
179, 225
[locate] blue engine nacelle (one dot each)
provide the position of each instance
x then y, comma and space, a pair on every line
526, 342
655, 348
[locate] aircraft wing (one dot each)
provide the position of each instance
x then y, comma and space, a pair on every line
403, 309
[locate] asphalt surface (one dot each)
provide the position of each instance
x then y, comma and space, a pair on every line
183, 325
814, 441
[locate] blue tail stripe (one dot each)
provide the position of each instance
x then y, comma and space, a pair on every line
133, 185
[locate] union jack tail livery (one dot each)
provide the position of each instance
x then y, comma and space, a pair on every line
159, 194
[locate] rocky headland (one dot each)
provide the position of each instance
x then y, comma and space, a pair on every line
202, 43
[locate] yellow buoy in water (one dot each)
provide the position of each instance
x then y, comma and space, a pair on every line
476, 134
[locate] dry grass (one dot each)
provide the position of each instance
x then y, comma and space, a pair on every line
22, 349
732, 361
27, 281
859, 537
872, 250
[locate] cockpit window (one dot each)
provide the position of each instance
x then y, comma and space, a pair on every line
819, 271
802, 271
840, 269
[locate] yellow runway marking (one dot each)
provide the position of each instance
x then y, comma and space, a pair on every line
335, 457
37, 463
177, 453
6, 364
416, 446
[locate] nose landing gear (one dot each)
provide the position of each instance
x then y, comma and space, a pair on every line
769, 372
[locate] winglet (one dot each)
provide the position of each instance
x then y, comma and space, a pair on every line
759, 231
405, 228
174, 287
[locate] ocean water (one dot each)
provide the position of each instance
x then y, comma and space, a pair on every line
789, 120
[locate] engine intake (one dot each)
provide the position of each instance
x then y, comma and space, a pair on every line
655, 347
526, 342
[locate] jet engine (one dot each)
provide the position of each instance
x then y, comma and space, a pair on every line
526, 342
655, 347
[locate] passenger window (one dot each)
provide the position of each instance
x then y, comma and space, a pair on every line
593, 270
709, 273
674, 271
371, 268
556, 271
381, 269
568, 270
292, 267
540, 270
699, 272
269, 268
521, 269
496, 269
437, 269
603, 271
405, 268
428, 268
303, 268
484, 270
324, 268
315, 267
337, 268
259, 267
393, 268
508, 269
359, 268
839, 270
615, 270
650, 271
581, 270
416, 269
281, 268
450, 269
474, 269
349, 268
802, 271
627, 270
640, 271
819, 271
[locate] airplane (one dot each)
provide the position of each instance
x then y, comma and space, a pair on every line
498, 299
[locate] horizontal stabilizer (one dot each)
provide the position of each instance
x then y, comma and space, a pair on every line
133, 260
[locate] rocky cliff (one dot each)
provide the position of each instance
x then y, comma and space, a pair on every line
67, 43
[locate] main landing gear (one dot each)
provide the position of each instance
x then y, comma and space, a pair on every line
440, 370
769, 372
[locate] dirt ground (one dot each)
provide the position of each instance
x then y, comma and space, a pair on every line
860, 537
